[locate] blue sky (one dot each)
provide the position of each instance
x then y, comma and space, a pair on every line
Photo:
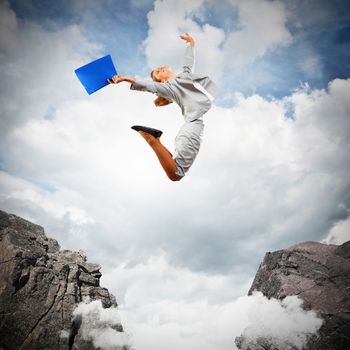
273, 169
319, 28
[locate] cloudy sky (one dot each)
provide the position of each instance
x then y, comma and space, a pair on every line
273, 169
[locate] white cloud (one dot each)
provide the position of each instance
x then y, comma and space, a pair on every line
284, 323
261, 181
217, 52
165, 306
170, 307
339, 233
174, 322
263, 27
157, 277
284, 173
166, 22
53, 202
99, 325
38, 67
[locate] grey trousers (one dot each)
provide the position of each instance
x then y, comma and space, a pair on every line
187, 144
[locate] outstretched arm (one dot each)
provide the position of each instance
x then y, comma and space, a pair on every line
160, 89
189, 53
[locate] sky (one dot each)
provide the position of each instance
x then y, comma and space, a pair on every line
272, 171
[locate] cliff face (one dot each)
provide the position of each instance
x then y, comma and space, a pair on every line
40, 286
317, 273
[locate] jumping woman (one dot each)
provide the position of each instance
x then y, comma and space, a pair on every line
194, 95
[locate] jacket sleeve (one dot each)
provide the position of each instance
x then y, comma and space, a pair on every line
188, 59
159, 89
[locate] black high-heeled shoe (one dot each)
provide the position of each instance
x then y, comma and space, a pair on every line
154, 132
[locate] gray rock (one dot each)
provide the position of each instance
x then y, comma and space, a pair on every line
320, 275
40, 286
259, 344
88, 279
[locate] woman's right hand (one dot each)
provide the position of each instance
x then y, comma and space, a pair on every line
116, 79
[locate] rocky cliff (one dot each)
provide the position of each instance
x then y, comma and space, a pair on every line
40, 286
317, 273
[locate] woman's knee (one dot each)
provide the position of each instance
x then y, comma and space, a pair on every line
174, 177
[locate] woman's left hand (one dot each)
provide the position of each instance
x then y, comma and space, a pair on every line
187, 38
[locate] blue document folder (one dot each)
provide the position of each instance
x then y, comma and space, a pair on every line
94, 75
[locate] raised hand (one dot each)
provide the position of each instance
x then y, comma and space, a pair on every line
187, 38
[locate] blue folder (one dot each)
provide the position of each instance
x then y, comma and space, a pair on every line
94, 75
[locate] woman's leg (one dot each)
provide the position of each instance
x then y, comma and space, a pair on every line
187, 144
164, 156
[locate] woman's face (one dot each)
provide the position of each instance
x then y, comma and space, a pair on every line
161, 74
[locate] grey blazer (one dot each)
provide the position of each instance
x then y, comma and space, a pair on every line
193, 102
